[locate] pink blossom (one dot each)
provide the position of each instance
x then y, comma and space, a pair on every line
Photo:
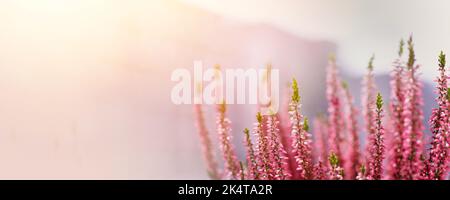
285, 136
334, 109
368, 101
320, 171
208, 151
228, 153
437, 165
320, 138
277, 151
376, 144
413, 124
398, 95
263, 150
252, 164
353, 163
301, 138
336, 172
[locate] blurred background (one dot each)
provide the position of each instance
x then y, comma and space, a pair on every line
85, 84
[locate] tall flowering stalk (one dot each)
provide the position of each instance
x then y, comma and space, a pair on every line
205, 140
227, 148
285, 134
368, 100
252, 164
301, 138
397, 106
277, 151
413, 124
263, 150
334, 108
352, 164
437, 164
376, 144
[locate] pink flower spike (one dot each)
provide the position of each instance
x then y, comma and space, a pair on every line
334, 108
413, 123
263, 150
397, 115
436, 168
353, 162
376, 144
277, 151
205, 140
228, 153
320, 138
368, 102
252, 164
301, 138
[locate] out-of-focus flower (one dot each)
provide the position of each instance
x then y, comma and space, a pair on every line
334, 108
413, 124
252, 164
397, 118
205, 140
353, 162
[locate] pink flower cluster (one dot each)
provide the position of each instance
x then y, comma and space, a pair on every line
282, 147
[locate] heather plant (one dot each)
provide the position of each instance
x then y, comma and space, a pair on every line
353, 159
284, 146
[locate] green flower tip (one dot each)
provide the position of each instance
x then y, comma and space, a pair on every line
334, 161
412, 56
246, 131
363, 169
222, 107
448, 94
344, 85
332, 57
295, 95
370, 66
259, 117
400, 49
305, 124
442, 59
379, 101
